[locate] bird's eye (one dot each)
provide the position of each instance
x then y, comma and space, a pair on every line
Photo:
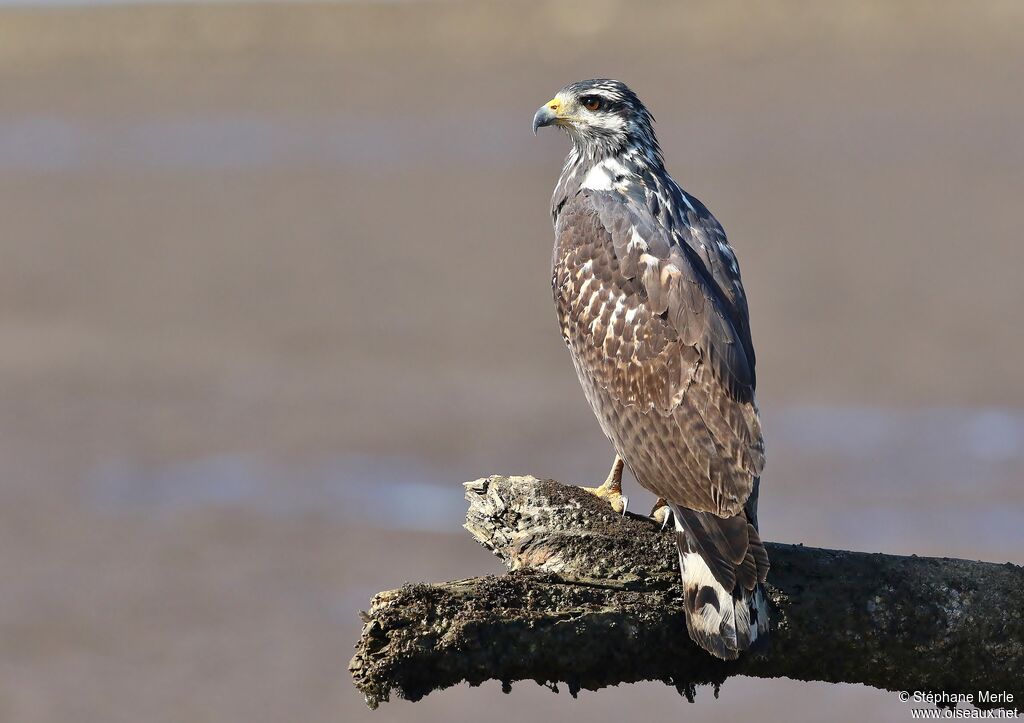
592, 103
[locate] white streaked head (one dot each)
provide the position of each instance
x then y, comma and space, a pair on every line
603, 117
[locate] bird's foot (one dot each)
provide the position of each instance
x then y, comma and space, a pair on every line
661, 512
612, 493
611, 490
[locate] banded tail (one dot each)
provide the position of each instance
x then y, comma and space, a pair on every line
724, 565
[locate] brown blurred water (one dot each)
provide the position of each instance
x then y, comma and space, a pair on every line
275, 282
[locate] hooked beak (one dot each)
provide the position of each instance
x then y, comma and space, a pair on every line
548, 114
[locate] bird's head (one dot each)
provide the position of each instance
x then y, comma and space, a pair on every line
603, 117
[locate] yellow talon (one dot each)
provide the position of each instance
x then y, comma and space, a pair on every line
611, 490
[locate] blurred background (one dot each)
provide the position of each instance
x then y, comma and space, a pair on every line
275, 282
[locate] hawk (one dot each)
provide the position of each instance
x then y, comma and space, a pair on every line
652, 309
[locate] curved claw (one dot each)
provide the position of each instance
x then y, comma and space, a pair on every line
662, 512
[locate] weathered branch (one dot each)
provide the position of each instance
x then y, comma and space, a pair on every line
593, 600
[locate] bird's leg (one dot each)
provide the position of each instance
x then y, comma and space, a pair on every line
611, 490
661, 512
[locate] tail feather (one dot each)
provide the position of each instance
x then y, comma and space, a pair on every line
726, 607
757, 551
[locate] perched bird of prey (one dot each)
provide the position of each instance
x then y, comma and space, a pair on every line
650, 304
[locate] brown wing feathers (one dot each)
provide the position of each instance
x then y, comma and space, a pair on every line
679, 283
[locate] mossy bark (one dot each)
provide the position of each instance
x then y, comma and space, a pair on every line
592, 600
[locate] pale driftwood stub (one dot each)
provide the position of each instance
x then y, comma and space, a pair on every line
592, 600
